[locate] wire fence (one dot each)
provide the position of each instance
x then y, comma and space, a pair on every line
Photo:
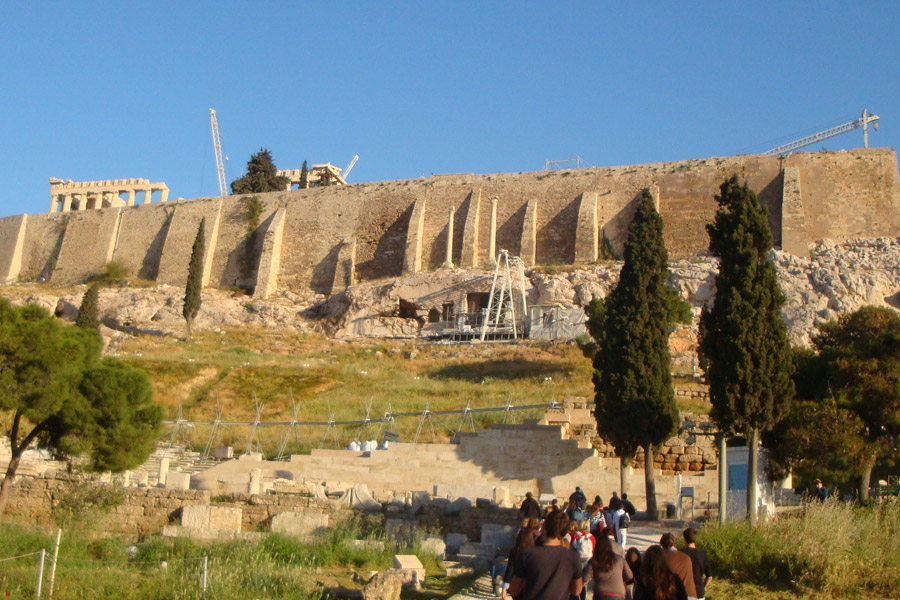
427, 420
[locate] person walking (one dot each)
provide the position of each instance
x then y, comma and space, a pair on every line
699, 561
550, 571
657, 581
621, 521
610, 572
524, 541
530, 507
628, 506
679, 563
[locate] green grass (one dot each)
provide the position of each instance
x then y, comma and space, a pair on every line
835, 550
92, 566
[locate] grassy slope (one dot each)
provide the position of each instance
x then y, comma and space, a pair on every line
326, 376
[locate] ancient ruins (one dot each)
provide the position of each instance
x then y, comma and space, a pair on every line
89, 195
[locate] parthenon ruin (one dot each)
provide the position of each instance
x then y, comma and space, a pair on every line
71, 195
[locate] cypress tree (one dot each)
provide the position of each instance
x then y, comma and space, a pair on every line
88, 311
743, 340
635, 404
304, 177
261, 176
192, 297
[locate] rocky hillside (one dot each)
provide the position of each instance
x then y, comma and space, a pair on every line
838, 278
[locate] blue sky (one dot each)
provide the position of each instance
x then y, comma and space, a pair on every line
120, 89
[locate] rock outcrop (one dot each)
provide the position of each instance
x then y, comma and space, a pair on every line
838, 278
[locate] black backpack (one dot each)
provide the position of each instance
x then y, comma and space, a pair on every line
624, 521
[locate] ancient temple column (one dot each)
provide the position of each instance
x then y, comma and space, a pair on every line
448, 260
131, 197
54, 202
492, 240
66, 203
148, 196
164, 195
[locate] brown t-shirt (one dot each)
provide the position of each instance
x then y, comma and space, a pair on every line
680, 564
613, 581
548, 571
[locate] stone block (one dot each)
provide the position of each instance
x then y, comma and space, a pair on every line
176, 480
299, 524
223, 453
455, 541
434, 544
412, 570
225, 518
195, 516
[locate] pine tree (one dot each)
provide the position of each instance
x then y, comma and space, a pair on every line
88, 311
59, 394
262, 176
192, 299
635, 403
304, 177
743, 340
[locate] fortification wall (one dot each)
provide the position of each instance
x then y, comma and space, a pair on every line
43, 239
142, 235
12, 245
87, 245
549, 217
849, 194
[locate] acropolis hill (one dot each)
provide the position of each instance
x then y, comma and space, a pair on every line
325, 239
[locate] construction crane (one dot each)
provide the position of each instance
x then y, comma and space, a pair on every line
349, 167
863, 122
217, 144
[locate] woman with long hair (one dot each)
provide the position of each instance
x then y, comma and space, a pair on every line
633, 560
657, 581
611, 572
524, 540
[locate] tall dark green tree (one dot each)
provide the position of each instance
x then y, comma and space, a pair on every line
62, 397
304, 176
192, 299
635, 404
261, 176
849, 414
88, 312
743, 340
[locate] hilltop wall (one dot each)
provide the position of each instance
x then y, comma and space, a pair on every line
325, 238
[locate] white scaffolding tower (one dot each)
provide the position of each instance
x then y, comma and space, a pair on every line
507, 291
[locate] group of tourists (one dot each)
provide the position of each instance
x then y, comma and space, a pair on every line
557, 556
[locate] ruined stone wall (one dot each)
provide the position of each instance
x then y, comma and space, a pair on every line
542, 217
87, 246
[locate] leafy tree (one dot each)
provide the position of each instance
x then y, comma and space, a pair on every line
192, 299
304, 176
743, 340
60, 396
87, 312
635, 403
261, 176
849, 414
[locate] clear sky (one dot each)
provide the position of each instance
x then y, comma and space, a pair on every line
114, 90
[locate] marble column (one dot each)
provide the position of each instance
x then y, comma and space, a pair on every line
164, 195
492, 240
54, 203
148, 196
448, 260
131, 197
66, 203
